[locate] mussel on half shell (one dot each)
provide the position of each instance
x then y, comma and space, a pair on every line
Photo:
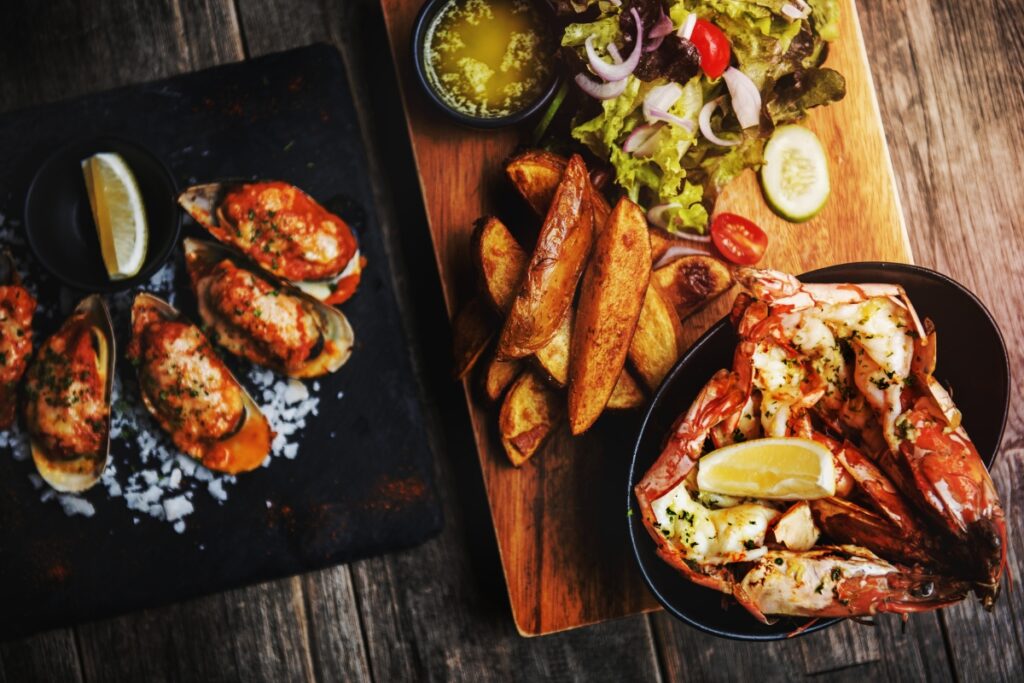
191, 393
67, 399
17, 307
284, 231
259, 317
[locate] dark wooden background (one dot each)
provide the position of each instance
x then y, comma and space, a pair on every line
949, 77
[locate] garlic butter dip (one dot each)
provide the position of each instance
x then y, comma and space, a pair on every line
488, 58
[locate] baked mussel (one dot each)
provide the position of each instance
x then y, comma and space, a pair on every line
284, 231
67, 399
17, 307
191, 393
262, 318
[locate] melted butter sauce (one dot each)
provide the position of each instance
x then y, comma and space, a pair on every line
488, 58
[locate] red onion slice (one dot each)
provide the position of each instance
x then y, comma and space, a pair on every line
614, 52
643, 140
616, 72
600, 91
661, 98
659, 115
686, 30
656, 214
653, 44
792, 12
746, 98
662, 28
677, 251
705, 124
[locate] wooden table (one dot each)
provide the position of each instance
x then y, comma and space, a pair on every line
948, 76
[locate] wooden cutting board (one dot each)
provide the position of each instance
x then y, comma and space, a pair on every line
560, 520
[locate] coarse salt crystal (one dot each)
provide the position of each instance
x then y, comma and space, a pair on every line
177, 507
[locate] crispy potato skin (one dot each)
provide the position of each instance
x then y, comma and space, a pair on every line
500, 261
553, 357
690, 282
610, 301
528, 416
472, 330
498, 374
656, 343
536, 174
627, 393
555, 266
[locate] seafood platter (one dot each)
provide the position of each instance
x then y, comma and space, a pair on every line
215, 406
671, 163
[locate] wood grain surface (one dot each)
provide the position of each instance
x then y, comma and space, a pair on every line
558, 575
948, 77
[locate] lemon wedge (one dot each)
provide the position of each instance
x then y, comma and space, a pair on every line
779, 469
119, 214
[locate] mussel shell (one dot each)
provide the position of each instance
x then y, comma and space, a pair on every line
79, 474
202, 201
248, 445
336, 335
8, 269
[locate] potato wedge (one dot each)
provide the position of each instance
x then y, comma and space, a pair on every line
555, 267
529, 414
536, 174
657, 342
627, 393
553, 357
612, 295
690, 282
500, 261
472, 330
498, 374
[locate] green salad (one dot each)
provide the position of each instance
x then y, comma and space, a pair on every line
689, 91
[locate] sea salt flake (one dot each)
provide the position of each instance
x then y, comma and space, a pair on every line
76, 505
177, 507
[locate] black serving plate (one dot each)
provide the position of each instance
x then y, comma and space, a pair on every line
59, 223
972, 362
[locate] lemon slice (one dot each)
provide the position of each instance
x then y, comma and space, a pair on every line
780, 469
119, 214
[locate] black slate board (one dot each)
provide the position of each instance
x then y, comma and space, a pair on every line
362, 482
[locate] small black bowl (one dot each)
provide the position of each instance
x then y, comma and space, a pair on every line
972, 361
59, 223
422, 24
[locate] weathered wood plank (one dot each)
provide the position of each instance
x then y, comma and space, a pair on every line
54, 50
954, 110
337, 647
47, 657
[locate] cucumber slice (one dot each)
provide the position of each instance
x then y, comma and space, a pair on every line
795, 173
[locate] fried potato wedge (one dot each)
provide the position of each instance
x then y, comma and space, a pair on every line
553, 357
536, 174
555, 267
500, 261
529, 415
498, 374
657, 342
627, 393
611, 298
472, 330
690, 282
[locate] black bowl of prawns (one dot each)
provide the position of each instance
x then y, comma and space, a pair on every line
971, 348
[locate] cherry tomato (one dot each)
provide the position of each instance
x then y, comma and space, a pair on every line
713, 47
739, 239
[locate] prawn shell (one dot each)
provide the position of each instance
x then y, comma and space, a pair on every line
202, 256
203, 202
245, 448
82, 473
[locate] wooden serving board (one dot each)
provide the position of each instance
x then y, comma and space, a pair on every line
560, 520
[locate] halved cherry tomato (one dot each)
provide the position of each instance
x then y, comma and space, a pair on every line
713, 47
739, 239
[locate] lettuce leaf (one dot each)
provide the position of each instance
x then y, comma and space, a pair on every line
795, 93
825, 15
